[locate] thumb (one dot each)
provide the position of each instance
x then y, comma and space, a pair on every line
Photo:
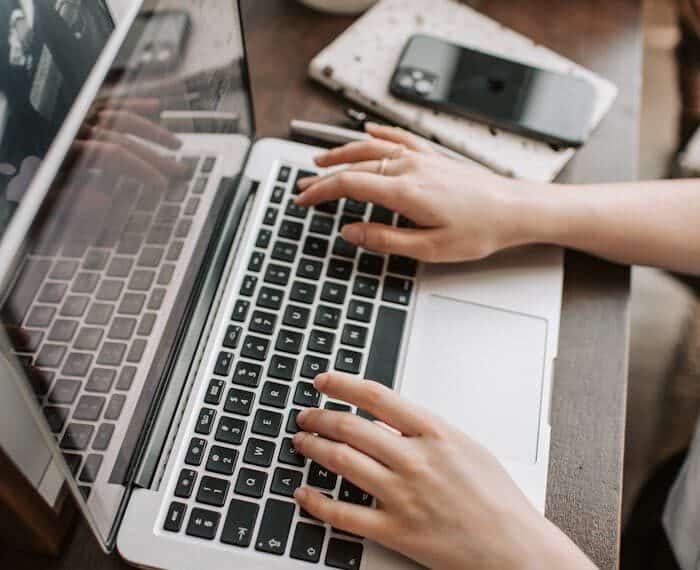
408, 242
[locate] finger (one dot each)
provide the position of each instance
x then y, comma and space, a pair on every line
363, 435
386, 191
383, 403
128, 122
361, 521
399, 136
371, 149
166, 165
139, 105
115, 159
408, 242
347, 462
391, 167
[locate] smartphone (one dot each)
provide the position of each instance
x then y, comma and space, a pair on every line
553, 107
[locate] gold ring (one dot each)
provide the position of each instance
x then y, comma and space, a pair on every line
382, 166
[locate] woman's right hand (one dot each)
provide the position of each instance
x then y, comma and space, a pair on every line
463, 212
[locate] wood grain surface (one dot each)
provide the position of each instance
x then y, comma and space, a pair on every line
589, 397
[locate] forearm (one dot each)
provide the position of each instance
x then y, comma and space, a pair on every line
642, 223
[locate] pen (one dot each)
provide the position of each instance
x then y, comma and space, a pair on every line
340, 135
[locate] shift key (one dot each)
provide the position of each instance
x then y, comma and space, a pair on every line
275, 526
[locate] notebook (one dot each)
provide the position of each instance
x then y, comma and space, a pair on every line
360, 62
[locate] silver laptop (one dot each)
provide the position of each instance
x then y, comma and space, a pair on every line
166, 337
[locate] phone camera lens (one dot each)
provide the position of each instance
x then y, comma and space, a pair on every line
406, 81
424, 87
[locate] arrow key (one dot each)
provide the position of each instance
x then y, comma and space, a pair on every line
307, 543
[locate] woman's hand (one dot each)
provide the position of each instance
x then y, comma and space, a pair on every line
442, 499
463, 212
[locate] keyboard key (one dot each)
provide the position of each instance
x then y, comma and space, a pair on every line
327, 316
214, 392
300, 175
165, 275
270, 217
274, 394
126, 377
267, 423
334, 293
255, 347
259, 452
289, 341
88, 338
296, 316
344, 554
223, 363
103, 437
77, 436
339, 269
312, 366
274, 527
397, 290
85, 282
277, 195
316, 247
205, 421
354, 335
132, 303
222, 460
50, 355
239, 402
402, 265
307, 542
122, 328
115, 406
336, 407
285, 482
247, 374
208, 165
239, 523
289, 455
270, 298
78, 363
91, 468
256, 261
89, 408
200, 185
355, 207
321, 341
381, 215
262, 322
151, 256
321, 225
175, 516
310, 269
52, 293
404, 222
40, 317
195, 451
292, 426
386, 343
360, 311
303, 292
328, 207
366, 287
348, 361
264, 239
56, 417
346, 220
284, 174
251, 482
240, 310
74, 306
343, 248
284, 251
99, 314
232, 336
282, 367
73, 460
350, 493
185, 483
248, 286
62, 270
370, 263
295, 210
306, 395
277, 274
321, 477
64, 391
141, 280
290, 230
203, 523
230, 430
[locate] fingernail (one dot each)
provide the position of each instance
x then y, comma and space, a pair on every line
320, 381
353, 233
301, 416
300, 494
371, 125
305, 182
299, 199
298, 437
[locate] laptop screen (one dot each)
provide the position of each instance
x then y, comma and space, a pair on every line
48, 51
142, 120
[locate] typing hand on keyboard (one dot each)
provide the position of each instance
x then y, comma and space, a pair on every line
450, 211
442, 499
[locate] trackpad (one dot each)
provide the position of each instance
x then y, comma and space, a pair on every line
482, 370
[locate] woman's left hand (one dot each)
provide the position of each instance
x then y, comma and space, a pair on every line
442, 499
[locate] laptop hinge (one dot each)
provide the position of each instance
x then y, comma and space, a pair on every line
185, 365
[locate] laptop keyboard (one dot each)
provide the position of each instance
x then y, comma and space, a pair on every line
80, 317
309, 302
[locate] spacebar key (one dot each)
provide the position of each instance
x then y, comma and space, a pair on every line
386, 343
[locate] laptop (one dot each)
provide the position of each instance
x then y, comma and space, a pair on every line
165, 335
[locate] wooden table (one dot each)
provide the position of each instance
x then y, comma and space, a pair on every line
585, 483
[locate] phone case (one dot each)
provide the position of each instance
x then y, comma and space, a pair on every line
360, 64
